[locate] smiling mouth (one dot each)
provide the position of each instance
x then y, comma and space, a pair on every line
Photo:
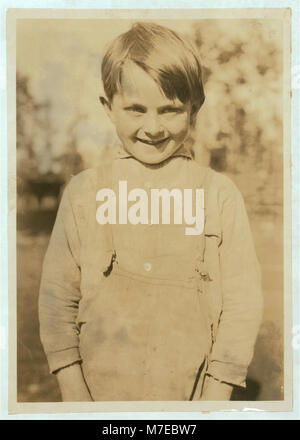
152, 142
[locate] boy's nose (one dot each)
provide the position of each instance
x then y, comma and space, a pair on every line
153, 128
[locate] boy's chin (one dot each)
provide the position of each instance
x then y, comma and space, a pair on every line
152, 155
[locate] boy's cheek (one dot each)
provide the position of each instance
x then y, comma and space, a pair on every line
179, 125
126, 128
179, 132
128, 124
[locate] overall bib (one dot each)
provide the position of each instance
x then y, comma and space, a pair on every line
146, 332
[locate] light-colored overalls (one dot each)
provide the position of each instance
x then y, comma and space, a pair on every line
147, 334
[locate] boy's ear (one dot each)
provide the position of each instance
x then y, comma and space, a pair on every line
107, 106
193, 115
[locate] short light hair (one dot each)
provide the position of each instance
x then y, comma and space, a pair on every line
171, 60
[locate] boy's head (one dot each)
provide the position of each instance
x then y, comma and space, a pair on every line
153, 86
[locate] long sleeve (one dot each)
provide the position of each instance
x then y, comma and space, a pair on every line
241, 293
60, 289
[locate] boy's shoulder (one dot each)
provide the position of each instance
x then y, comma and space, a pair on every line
82, 185
88, 179
217, 182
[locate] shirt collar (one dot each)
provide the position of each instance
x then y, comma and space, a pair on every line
182, 151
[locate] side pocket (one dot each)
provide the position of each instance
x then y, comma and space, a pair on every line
80, 322
203, 287
81, 317
212, 333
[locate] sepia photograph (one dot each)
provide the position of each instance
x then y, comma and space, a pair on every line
152, 208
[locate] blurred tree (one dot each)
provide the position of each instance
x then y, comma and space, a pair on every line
71, 161
40, 172
33, 131
240, 123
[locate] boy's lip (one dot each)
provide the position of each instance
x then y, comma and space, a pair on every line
148, 142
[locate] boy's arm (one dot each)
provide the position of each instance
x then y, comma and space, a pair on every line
59, 300
242, 297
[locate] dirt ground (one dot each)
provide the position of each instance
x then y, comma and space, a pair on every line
35, 384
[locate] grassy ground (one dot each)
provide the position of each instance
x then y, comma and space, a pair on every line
35, 384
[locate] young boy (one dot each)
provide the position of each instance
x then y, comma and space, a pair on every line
134, 306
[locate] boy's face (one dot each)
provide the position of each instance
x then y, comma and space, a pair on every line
150, 126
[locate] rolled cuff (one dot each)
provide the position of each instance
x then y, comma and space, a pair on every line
227, 372
63, 358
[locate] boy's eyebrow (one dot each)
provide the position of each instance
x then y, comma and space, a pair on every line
134, 105
162, 107
172, 106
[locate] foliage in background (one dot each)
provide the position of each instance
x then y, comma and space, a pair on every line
240, 123
35, 156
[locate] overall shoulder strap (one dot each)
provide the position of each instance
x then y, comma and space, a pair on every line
207, 179
204, 184
105, 180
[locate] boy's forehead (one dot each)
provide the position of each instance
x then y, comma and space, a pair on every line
136, 84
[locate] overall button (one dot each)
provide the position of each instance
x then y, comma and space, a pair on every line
147, 267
